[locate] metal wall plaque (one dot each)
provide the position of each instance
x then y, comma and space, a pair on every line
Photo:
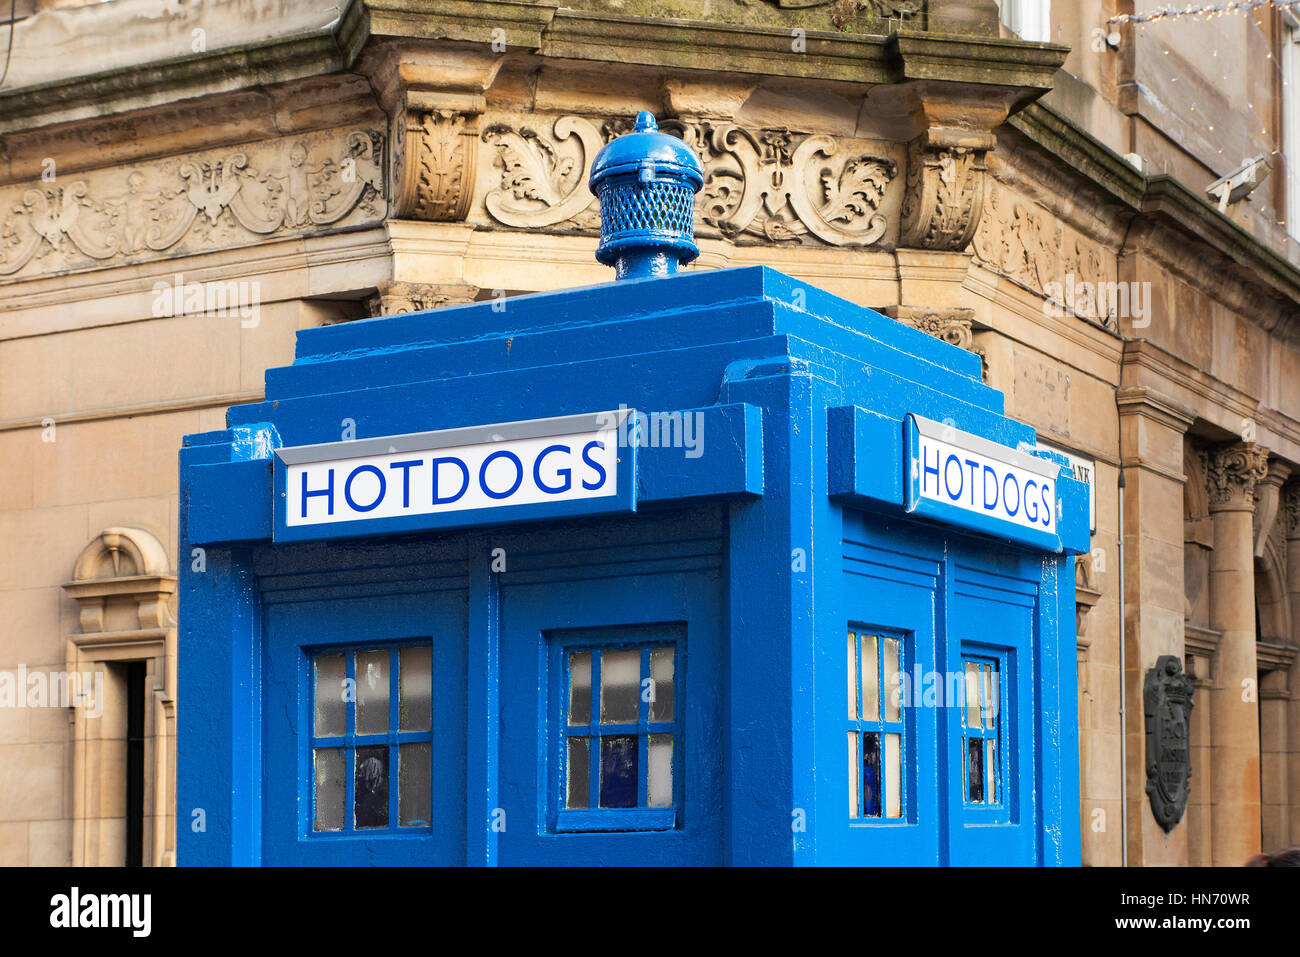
1167, 693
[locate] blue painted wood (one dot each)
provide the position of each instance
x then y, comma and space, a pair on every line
787, 528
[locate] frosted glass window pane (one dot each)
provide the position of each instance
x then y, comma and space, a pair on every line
871, 774
662, 674
331, 709
853, 677
991, 696
329, 789
991, 768
579, 773
414, 797
893, 775
620, 686
659, 788
870, 680
372, 692
853, 774
890, 689
371, 784
416, 689
618, 771
580, 688
972, 692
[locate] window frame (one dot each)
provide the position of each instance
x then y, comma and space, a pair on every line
999, 811
645, 638
1030, 20
903, 726
1290, 97
348, 741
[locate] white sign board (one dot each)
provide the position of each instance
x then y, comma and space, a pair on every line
956, 475
535, 463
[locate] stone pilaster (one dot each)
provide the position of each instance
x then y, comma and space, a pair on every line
1232, 474
1152, 432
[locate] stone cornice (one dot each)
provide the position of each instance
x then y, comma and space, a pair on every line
276, 59
1023, 70
1164, 203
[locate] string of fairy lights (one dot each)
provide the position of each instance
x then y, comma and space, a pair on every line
1208, 12
1213, 10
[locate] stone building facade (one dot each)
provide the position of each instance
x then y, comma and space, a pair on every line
183, 187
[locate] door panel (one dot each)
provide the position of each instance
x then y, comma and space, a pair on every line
992, 752
615, 794
889, 595
387, 753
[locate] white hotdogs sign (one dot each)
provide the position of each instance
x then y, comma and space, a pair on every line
964, 478
551, 467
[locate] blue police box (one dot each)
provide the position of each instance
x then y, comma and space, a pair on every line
688, 568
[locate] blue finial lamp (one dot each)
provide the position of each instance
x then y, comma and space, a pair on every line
646, 182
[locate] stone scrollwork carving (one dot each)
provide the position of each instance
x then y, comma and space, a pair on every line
185, 204
1290, 519
544, 176
760, 185
1231, 474
775, 185
944, 197
435, 163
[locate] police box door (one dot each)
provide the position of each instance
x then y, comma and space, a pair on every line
364, 727
994, 740
611, 742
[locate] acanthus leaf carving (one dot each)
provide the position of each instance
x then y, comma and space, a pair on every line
944, 196
1232, 473
543, 179
760, 186
436, 159
954, 326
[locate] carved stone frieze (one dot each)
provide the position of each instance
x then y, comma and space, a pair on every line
394, 298
776, 185
1018, 239
761, 186
186, 204
944, 196
1290, 517
435, 159
1231, 474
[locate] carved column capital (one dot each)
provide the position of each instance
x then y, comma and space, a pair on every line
394, 298
1231, 474
944, 192
953, 325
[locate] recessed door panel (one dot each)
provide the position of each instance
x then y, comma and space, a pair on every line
364, 728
